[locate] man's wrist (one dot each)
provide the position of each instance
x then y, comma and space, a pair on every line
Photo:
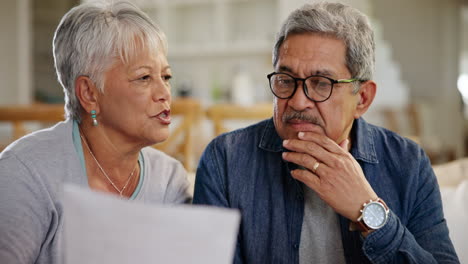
366, 233
374, 215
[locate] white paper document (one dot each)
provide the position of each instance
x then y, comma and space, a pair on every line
103, 229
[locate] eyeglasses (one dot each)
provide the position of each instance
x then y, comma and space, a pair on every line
316, 87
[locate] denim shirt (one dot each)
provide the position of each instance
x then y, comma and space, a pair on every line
243, 169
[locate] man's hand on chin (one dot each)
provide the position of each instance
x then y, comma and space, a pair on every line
331, 171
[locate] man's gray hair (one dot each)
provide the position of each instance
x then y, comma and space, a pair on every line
91, 37
340, 21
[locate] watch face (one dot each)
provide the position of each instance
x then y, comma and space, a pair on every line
374, 215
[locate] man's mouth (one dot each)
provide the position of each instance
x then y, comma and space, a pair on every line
303, 123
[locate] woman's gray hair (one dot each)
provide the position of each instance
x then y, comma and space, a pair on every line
91, 37
340, 21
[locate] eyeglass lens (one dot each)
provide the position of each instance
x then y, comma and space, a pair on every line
317, 88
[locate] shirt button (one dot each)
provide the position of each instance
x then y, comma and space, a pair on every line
296, 246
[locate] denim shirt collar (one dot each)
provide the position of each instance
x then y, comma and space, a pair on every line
363, 147
363, 141
270, 140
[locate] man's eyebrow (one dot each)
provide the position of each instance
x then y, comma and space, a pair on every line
284, 68
324, 72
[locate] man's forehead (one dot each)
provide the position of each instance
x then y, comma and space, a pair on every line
309, 41
314, 54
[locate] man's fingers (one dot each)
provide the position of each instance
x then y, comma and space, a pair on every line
302, 146
308, 178
301, 159
344, 144
321, 140
307, 162
307, 148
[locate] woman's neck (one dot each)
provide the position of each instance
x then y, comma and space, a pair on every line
111, 165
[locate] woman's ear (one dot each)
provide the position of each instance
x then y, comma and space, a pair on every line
87, 93
366, 96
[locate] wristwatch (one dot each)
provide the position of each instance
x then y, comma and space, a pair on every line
374, 215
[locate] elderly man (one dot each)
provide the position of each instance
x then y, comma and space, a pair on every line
316, 183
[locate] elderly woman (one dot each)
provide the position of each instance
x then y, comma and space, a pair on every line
111, 61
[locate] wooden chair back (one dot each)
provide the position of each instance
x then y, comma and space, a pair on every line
18, 115
180, 141
220, 113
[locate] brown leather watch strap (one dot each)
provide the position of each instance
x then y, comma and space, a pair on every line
362, 227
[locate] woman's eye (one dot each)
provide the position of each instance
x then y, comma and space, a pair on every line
144, 78
167, 77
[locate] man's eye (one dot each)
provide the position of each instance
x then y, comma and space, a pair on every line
285, 81
167, 77
323, 84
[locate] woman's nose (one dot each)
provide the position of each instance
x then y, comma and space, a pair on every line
162, 91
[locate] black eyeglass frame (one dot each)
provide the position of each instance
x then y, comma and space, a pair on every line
304, 87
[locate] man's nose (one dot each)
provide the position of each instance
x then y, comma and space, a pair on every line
299, 101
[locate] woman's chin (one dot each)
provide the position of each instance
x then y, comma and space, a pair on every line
160, 138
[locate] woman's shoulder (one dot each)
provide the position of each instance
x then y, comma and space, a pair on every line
43, 155
41, 142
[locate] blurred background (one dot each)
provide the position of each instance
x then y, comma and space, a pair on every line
220, 53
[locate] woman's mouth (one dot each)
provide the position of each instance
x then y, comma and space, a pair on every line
164, 117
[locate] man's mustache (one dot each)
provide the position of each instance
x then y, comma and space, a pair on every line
300, 116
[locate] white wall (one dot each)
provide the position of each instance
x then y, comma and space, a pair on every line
15, 52
424, 35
